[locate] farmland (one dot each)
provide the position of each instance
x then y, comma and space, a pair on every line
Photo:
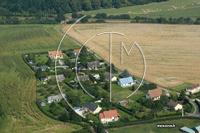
17, 80
171, 51
171, 8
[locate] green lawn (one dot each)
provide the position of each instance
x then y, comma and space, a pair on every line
41, 58
182, 87
17, 80
152, 128
171, 8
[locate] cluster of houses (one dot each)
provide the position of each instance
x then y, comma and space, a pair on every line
155, 94
105, 116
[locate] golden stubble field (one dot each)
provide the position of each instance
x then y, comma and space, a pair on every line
171, 51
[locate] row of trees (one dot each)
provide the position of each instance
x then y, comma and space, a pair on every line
63, 6
163, 20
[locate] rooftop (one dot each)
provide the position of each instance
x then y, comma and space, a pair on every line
107, 114
155, 92
126, 80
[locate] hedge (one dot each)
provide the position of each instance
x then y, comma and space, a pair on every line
138, 122
123, 108
166, 115
198, 104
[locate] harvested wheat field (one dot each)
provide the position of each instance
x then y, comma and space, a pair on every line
171, 51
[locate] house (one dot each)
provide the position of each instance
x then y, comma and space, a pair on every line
42, 103
30, 62
93, 65
174, 104
42, 79
55, 98
82, 78
91, 107
109, 116
76, 52
52, 54
187, 130
44, 68
72, 60
107, 76
60, 78
96, 76
126, 82
154, 94
197, 129
124, 102
193, 89
61, 63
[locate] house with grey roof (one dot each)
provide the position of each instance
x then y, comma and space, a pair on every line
82, 78
55, 98
107, 76
93, 65
91, 107
60, 78
42, 103
126, 82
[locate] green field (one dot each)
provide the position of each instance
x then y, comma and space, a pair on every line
17, 80
182, 87
152, 128
171, 8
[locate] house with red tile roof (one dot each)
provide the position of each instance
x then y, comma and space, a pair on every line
154, 94
109, 116
76, 52
52, 54
193, 89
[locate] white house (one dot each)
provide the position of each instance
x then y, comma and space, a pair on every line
96, 76
154, 94
174, 104
109, 116
52, 54
126, 82
55, 98
193, 89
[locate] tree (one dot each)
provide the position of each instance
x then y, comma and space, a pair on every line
38, 73
49, 62
133, 109
125, 73
86, 5
133, 88
106, 86
164, 100
102, 77
84, 20
64, 117
80, 92
173, 96
67, 73
182, 95
60, 17
100, 128
187, 108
